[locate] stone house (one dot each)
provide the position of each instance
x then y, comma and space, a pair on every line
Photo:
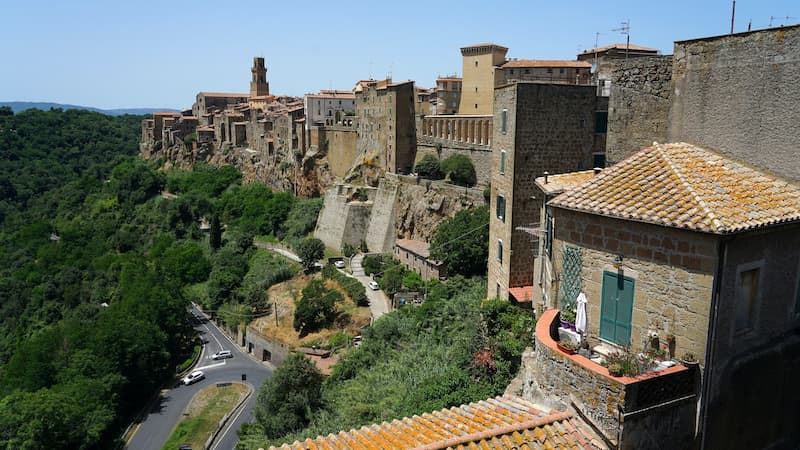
606, 58
448, 94
415, 255
537, 127
681, 241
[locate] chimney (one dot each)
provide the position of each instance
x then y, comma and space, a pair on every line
546, 173
597, 170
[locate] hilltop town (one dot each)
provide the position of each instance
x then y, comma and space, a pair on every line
640, 204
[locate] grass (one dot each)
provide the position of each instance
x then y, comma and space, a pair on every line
185, 365
204, 413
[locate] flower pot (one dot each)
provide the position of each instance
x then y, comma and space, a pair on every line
615, 374
568, 351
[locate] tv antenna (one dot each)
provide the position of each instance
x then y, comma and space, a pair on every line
771, 18
625, 28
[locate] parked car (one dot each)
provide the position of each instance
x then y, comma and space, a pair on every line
374, 285
193, 377
339, 264
222, 354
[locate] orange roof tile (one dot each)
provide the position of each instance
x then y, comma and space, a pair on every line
522, 294
684, 186
546, 63
559, 183
500, 423
622, 46
222, 94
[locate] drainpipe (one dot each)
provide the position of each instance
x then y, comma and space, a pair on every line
705, 388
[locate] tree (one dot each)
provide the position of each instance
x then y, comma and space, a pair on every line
310, 250
392, 279
429, 167
215, 236
462, 242
316, 308
287, 401
187, 262
460, 170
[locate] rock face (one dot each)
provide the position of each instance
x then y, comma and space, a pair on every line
308, 177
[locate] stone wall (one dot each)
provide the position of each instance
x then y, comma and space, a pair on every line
481, 157
343, 220
380, 231
737, 94
550, 128
672, 271
265, 348
341, 148
653, 410
638, 105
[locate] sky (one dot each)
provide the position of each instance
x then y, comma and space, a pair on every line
160, 54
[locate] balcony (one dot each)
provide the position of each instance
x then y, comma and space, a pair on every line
627, 411
464, 130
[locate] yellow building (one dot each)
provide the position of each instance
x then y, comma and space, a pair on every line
481, 73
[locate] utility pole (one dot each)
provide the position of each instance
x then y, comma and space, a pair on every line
625, 29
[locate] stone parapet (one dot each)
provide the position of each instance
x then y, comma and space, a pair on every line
619, 407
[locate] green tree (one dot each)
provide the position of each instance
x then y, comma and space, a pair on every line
429, 167
310, 250
186, 261
392, 279
302, 218
288, 400
462, 242
215, 235
316, 308
460, 170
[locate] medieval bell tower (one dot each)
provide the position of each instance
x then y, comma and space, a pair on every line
258, 83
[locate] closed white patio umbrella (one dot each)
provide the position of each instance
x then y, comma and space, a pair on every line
580, 313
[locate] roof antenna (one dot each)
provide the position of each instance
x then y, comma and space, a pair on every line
733, 14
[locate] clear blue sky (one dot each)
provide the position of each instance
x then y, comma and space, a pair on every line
115, 54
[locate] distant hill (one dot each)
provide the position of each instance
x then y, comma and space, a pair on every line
45, 106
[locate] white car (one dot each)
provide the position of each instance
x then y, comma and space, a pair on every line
193, 377
222, 354
339, 264
373, 285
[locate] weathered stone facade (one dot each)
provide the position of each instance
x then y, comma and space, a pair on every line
672, 270
548, 127
638, 105
345, 216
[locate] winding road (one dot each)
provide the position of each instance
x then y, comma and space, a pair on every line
164, 414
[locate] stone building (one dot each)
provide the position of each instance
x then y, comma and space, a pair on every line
734, 93
549, 71
480, 67
448, 95
681, 241
321, 108
604, 60
537, 127
416, 256
386, 124
259, 86
206, 101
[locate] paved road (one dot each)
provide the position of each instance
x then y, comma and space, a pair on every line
378, 302
277, 249
154, 431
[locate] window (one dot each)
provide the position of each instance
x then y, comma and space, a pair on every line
502, 162
504, 121
476, 106
600, 121
548, 232
560, 70
747, 294
500, 207
549, 70
527, 71
797, 295
476, 63
476, 88
500, 251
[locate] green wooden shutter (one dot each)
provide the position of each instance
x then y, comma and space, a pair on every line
616, 309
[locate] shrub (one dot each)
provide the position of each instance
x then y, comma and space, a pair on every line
630, 364
429, 167
354, 289
460, 170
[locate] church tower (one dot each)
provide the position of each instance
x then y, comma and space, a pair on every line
258, 84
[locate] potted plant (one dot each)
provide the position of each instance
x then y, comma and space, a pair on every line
567, 317
689, 359
671, 345
615, 370
567, 347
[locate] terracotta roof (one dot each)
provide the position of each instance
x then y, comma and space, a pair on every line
206, 128
498, 423
546, 63
522, 294
684, 186
622, 46
557, 184
165, 113
419, 247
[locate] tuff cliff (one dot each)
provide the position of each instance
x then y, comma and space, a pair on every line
309, 176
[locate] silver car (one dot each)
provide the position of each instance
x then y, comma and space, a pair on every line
193, 377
